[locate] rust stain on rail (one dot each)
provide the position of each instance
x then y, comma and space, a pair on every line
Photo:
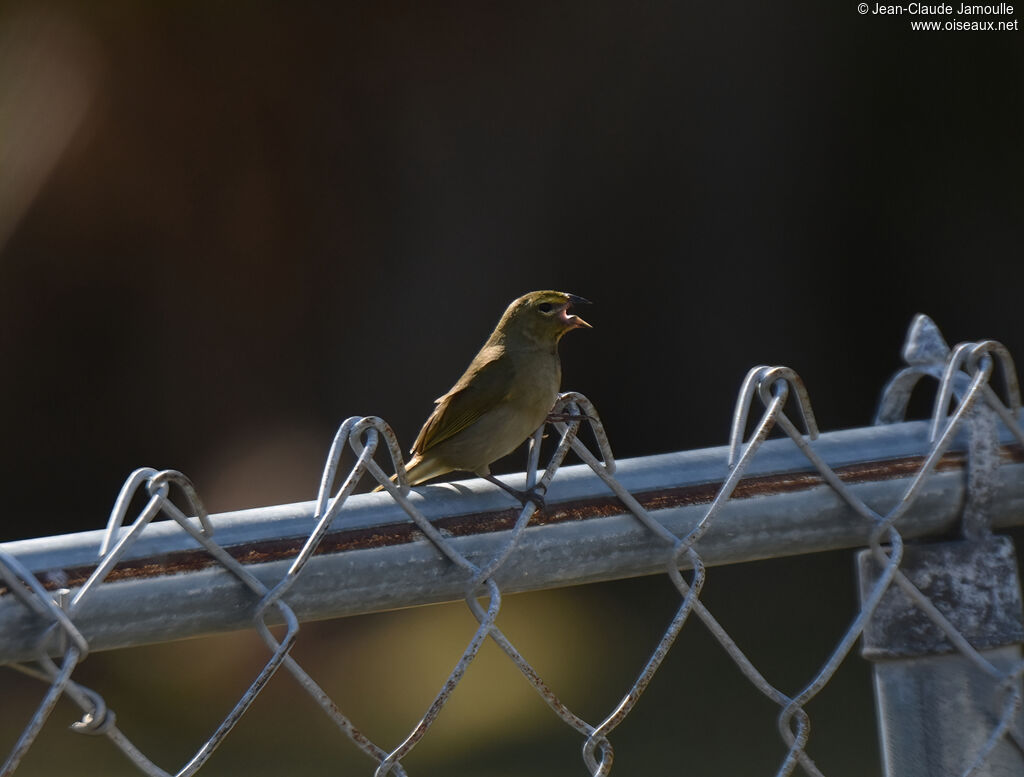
503, 520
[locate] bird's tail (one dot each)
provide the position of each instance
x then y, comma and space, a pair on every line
394, 479
420, 470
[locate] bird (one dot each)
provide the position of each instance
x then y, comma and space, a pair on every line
504, 395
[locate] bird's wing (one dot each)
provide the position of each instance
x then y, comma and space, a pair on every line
485, 385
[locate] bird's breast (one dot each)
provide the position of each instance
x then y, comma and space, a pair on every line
536, 385
507, 425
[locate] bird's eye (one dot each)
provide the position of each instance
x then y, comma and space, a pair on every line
545, 307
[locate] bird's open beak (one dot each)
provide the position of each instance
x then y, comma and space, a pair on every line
573, 321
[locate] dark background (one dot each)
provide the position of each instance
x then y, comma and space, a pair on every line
225, 227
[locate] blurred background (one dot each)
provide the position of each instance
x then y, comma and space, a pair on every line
226, 227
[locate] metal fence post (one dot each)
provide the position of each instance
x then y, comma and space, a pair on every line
937, 707
945, 639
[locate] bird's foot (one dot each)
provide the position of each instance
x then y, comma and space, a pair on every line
535, 494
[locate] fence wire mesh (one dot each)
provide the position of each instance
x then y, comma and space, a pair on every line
965, 401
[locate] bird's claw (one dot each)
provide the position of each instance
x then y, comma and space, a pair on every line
534, 495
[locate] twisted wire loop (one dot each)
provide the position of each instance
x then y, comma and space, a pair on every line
964, 399
29, 590
97, 718
479, 580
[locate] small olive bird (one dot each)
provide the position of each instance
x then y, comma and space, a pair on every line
505, 394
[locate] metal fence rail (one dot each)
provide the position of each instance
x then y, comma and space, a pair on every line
942, 622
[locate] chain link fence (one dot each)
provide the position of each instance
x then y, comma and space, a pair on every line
940, 621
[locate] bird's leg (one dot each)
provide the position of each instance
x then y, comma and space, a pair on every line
530, 495
554, 418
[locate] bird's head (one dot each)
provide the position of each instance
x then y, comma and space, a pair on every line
542, 316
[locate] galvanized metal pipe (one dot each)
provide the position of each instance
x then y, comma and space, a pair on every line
943, 712
374, 558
